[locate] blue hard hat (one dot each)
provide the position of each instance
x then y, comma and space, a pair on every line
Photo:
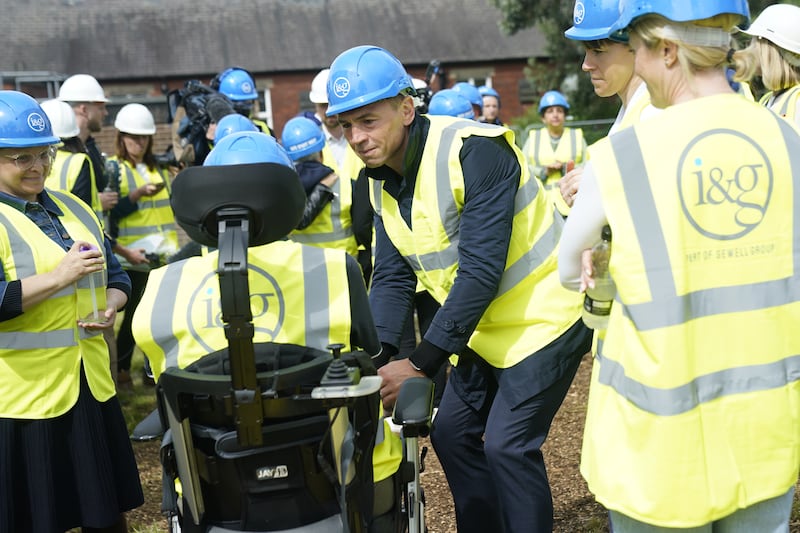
552, 98
231, 124
678, 10
23, 123
451, 103
301, 137
593, 19
470, 92
247, 147
364, 75
488, 91
235, 83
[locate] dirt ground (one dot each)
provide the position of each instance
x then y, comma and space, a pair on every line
575, 508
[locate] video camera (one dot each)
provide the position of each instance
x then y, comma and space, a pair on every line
193, 98
425, 94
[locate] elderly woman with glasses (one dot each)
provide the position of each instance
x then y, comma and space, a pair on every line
693, 420
65, 457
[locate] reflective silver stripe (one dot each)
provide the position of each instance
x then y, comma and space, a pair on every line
162, 311
37, 340
62, 179
146, 230
684, 398
316, 298
573, 138
377, 190
667, 308
20, 249
525, 195
533, 258
537, 138
82, 212
787, 99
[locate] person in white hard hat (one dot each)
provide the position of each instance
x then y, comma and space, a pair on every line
88, 100
144, 218
774, 53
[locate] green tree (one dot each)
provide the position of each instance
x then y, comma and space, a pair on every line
563, 64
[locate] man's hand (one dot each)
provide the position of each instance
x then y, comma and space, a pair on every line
393, 375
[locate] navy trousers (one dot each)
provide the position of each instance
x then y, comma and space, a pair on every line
490, 429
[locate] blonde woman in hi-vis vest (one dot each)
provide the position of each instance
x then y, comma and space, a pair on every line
693, 421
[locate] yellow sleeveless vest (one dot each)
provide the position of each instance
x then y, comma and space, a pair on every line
154, 216
694, 407
64, 172
531, 308
179, 317
333, 227
42, 349
784, 105
539, 152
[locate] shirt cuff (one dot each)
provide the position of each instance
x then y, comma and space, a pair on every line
428, 358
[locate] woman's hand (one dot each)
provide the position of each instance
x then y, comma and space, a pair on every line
569, 184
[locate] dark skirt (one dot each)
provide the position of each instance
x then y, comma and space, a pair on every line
74, 470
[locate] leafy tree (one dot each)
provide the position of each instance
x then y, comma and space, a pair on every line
552, 18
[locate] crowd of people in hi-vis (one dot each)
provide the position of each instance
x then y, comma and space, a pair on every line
398, 235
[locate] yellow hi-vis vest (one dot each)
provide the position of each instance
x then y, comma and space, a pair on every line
539, 152
694, 406
154, 215
65, 171
41, 350
531, 308
785, 104
333, 227
298, 294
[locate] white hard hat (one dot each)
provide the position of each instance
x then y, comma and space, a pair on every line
135, 119
418, 83
319, 87
81, 88
779, 24
62, 118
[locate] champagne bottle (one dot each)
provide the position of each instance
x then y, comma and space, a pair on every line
597, 301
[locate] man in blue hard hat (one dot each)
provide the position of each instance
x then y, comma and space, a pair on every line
458, 211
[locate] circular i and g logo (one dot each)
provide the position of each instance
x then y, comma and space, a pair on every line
725, 182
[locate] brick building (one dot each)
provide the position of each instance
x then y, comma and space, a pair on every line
139, 50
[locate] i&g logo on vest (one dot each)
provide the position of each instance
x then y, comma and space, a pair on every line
204, 313
725, 182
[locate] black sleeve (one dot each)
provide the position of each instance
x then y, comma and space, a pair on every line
361, 212
320, 196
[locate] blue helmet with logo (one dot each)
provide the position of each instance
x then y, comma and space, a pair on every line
231, 124
23, 123
470, 92
451, 103
247, 147
552, 98
301, 137
364, 75
235, 83
678, 10
593, 19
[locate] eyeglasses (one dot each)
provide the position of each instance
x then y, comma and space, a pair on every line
26, 161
